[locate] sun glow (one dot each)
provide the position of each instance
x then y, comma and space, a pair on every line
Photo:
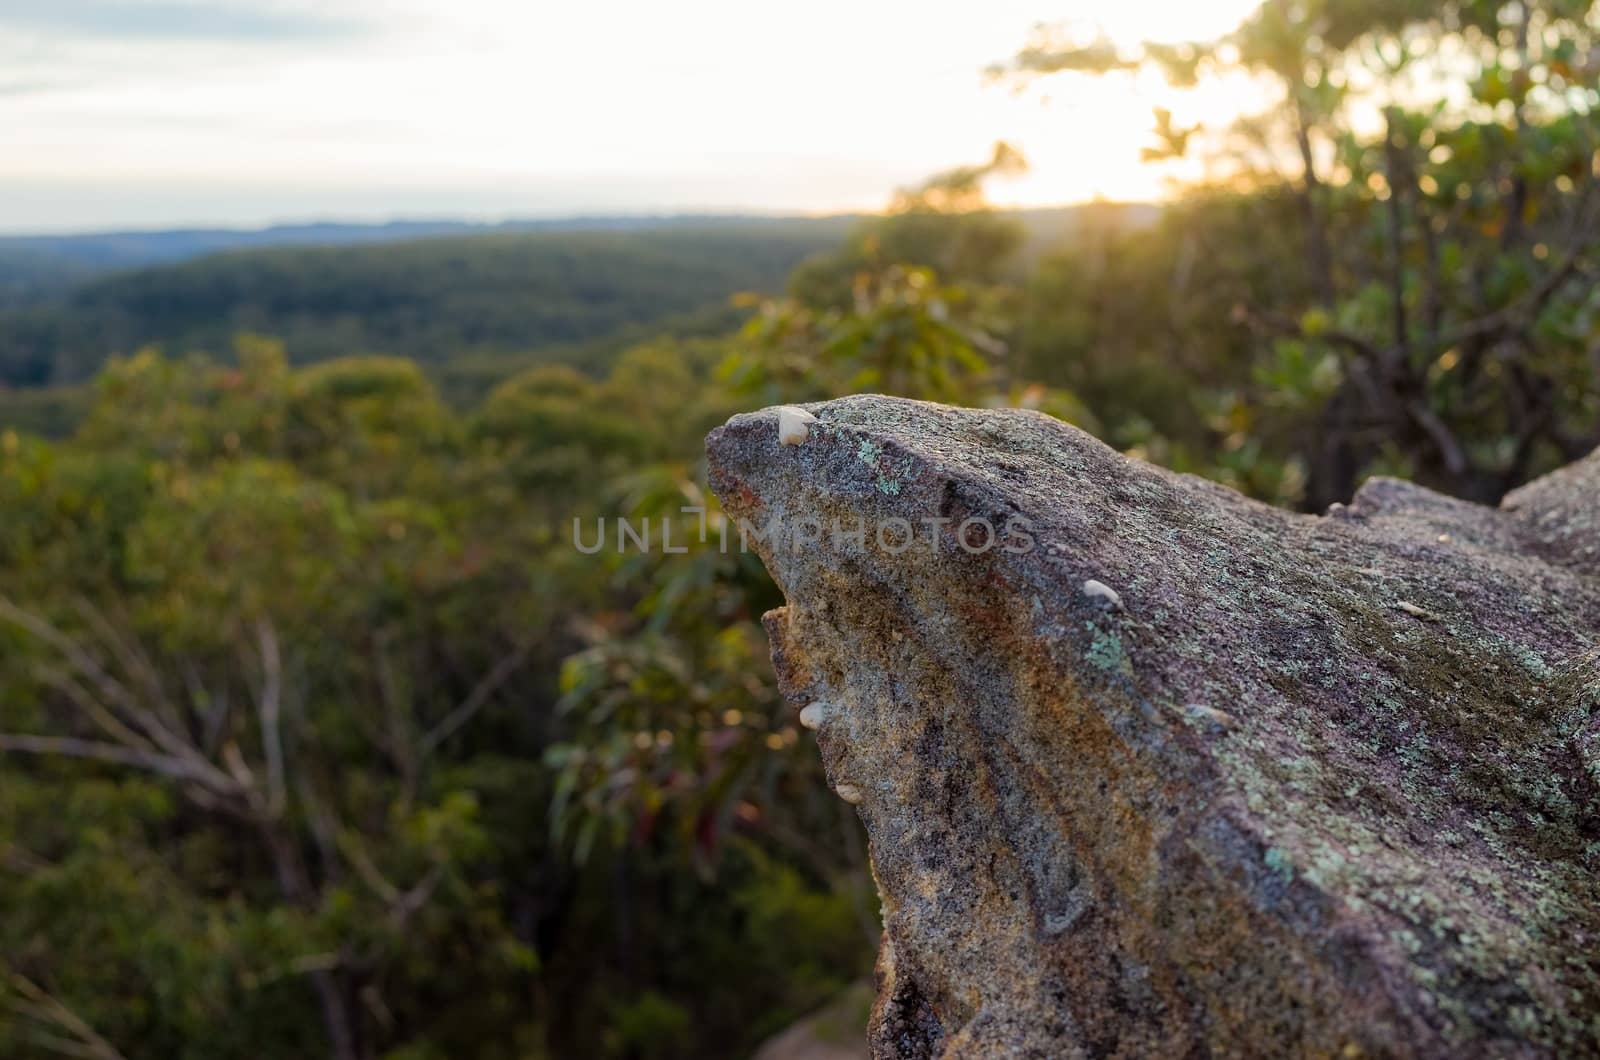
485, 108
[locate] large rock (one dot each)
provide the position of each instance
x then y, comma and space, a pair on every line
1187, 775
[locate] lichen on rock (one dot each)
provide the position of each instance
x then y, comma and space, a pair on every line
1323, 786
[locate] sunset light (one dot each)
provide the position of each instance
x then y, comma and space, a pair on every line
493, 109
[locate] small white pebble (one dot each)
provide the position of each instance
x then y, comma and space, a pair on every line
1203, 713
1419, 612
849, 793
814, 714
794, 424
1102, 591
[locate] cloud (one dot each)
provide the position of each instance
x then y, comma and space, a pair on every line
173, 20
26, 86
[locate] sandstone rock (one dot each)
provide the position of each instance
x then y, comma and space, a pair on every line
1315, 786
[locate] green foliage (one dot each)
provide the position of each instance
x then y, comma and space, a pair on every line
1414, 296
326, 729
280, 652
52, 412
905, 333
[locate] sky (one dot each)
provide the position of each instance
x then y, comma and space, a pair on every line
166, 113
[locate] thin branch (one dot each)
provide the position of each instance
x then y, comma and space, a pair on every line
398, 723
49, 1009
324, 825
110, 688
132, 658
1398, 355
1455, 458
1276, 325
1502, 319
271, 710
18, 859
413, 900
93, 750
1432, 298
1527, 306
215, 719
351, 846
107, 722
1516, 201
239, 770
1310, 192
50, 1040
477, 699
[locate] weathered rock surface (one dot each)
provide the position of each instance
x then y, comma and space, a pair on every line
1295, 786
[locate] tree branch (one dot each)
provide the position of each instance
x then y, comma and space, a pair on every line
1398, 355
114, 754
1276, 325
49, 1009
270, 707
113, 690
107, 722
477, 699
132, 658
1528, 305
1455, 458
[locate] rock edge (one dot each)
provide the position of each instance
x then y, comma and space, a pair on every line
1318, 786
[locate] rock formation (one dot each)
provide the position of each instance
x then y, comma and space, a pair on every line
1165, 772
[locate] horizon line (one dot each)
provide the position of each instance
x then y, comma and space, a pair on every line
512, 220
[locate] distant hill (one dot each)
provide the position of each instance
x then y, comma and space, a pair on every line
96, 251
431, 299
472, 302
51, 260
30, 275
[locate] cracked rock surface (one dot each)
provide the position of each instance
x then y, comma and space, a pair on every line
1271, 785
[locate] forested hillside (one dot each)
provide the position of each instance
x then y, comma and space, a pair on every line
432, 300
105, 251
473, 306
30, 275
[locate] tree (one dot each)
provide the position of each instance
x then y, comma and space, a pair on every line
1442, 256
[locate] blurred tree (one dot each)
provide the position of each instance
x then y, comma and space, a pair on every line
283, 651
1435, 320
905, 333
